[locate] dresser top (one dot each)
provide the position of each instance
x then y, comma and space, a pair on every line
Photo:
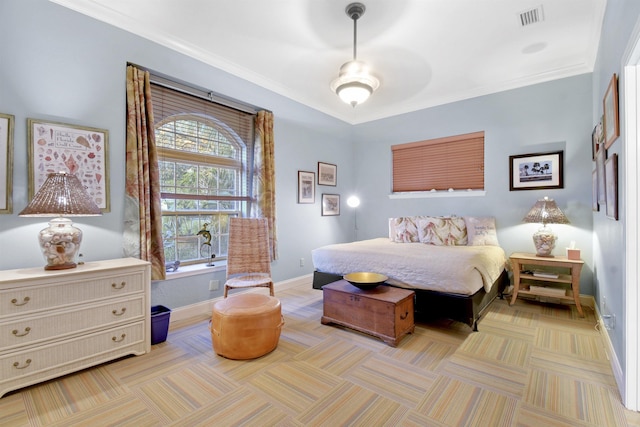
95, 266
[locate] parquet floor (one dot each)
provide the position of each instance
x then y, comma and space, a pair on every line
529, 365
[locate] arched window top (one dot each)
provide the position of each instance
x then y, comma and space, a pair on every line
199, 133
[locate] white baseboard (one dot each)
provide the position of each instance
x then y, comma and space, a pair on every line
611, 353
203, 309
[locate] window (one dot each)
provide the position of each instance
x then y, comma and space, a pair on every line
454, 162
205, 157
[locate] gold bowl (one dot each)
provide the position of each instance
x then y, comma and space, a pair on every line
364, 280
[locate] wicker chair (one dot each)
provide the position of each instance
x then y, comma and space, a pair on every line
249, 259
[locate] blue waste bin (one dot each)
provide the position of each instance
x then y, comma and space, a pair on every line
160, 316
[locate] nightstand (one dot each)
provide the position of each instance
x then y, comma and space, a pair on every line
525, 267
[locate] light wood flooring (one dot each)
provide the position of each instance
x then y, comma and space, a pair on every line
530, 364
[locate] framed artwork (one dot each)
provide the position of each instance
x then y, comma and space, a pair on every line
610, 107
327, 174
601, 155
594, 191
6, 159
306, 187
330, 204
536, 171
596, 138
79, 150
611, 174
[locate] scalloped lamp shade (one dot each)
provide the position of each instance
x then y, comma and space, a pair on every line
545, 211
62, 194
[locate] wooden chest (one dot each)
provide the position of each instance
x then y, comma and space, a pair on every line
384, 312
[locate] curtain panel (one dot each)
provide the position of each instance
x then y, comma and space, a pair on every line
264, 177
143, 213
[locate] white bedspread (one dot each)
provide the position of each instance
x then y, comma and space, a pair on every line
453, 269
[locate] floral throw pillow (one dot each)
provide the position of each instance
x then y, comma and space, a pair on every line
404, 229
481, 231
442, 231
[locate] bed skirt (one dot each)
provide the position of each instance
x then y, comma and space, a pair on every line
433, 304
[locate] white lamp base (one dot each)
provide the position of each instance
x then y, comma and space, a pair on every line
544, 241
60, 243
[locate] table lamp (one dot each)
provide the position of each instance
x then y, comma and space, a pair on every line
547, 212
61, 195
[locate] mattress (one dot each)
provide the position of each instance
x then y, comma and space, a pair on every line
452, 269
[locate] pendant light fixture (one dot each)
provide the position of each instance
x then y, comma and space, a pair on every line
355, 83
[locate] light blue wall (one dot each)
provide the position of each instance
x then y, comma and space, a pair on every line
56, 64
59, 65
609, 235
546, 117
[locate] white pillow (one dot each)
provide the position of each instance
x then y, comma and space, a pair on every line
442, 231
481, 231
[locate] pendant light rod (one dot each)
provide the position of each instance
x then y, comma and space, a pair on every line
355, 11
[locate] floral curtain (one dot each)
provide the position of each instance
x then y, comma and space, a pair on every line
143, 214
264, 177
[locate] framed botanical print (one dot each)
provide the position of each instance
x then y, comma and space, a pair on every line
610, 106
611, 174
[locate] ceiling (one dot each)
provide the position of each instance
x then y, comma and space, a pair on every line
425, 52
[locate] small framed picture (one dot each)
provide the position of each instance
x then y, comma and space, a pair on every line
330, 204
601, 156
306, 187
595, 206
610, 105
596, 139
611, 173
536, 171
327, 174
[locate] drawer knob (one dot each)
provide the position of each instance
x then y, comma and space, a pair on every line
119, 313
120, 286
402, 317
26, 364
18, 304
21, 334
116, 339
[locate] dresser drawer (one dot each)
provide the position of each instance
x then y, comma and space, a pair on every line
74, 353
33, 329
57, 293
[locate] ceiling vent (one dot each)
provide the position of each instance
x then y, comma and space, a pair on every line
531, 16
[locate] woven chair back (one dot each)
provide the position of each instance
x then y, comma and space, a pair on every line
248, 246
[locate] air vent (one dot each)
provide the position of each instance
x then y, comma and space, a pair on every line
531, 16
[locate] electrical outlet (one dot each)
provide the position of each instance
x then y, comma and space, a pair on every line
609, 321
214, 285
301, 262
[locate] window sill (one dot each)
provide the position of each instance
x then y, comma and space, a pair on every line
441, 193
196, 270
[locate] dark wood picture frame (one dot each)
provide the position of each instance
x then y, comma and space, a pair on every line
327, 174
536, 171
330, 204
611, 123
306, 187
611, 173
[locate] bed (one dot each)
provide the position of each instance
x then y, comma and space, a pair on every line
456, 279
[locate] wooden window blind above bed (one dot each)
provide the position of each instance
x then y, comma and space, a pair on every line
453, 162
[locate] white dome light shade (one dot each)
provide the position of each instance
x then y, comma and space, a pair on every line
354, 84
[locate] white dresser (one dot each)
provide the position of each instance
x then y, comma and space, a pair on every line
56, 322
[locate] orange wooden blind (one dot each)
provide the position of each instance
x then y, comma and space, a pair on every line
453, 162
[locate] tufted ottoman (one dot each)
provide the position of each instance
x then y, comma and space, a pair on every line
246, 325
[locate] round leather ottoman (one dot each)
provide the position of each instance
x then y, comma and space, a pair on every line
246, 325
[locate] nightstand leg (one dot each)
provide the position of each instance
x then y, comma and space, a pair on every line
575, 287
515, 266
